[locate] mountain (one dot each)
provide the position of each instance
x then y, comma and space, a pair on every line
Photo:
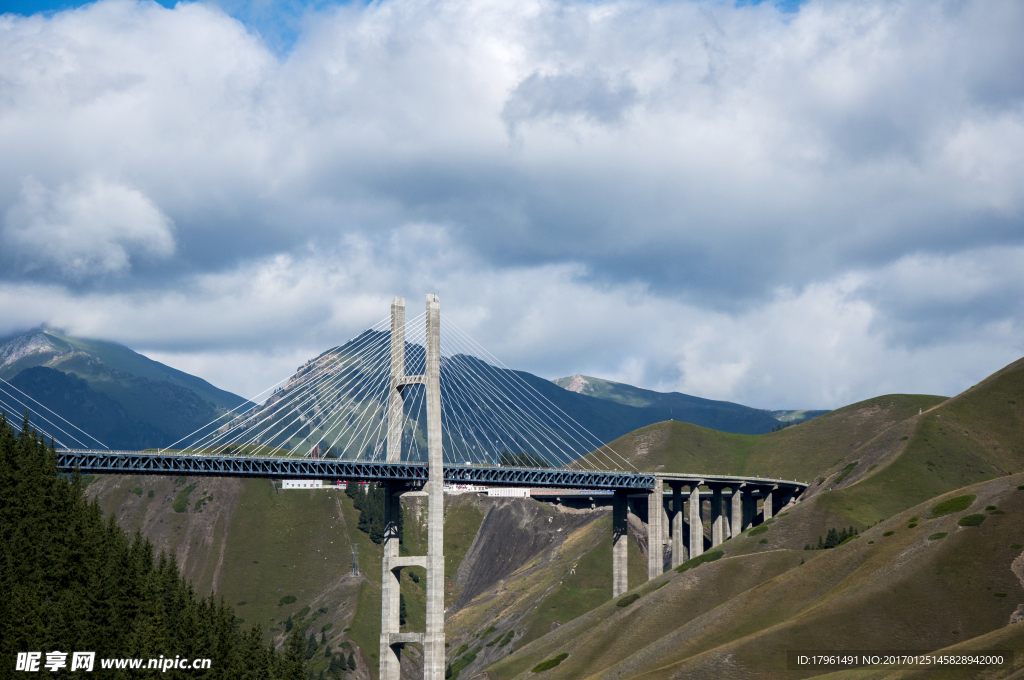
724, 416
526, 582
120, 397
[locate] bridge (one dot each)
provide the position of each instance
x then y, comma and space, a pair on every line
354, 413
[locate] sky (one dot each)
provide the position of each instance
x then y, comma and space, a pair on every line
795, 205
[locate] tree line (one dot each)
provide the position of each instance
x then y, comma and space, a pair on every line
73, 581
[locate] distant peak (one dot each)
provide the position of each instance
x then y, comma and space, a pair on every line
574, 383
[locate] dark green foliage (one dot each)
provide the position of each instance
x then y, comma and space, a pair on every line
369, 501
990, 507
151, 493
293, 665
337, 666
784, 424
763, 540
999, 594
846, 471
937, 536
311, 646
1020, 488
971, 520
352, 661
889, 533
287, 599
462, 650
952, 505
401, 609
507, 639
550, 663
485, 633
1016, 546
835, 538
454, 669
72, 580
912, 525
699, 560
627, 600
288, 625
180, 503
137, 491
759, 529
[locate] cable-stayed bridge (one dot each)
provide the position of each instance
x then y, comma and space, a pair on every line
409, 408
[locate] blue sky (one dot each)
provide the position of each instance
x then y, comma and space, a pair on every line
790, 206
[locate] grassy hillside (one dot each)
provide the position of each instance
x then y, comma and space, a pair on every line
800, 452
737, 616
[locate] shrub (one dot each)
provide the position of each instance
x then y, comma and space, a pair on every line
627, 600
997, 512
763, 540
952, 505
760, 529
1016, 546
834, 538
914, 519
287, 599
507, 639
912, 525
137, 491
937, 536
971, 520
242, 603
999, 594
485, 633
151, 493
889, 533
1020, 488
461, 650
699, 560
550, 663
990, 507
846, 471
180, 503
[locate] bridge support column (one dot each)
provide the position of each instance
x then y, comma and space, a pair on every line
737, 511
677, 525
768, 510
655, 546
390, 654
620, 541
749, 510
717, 517
433, 640
696, 523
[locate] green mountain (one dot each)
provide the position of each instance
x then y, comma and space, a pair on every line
725, 416
125, 400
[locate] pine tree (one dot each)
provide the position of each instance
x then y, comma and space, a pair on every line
352, 661
293, 664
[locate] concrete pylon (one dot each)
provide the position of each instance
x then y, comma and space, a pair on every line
768, 511
620, 541
391, 638
395, 398
655, 514
749, 510
696, 523
736, 525
677, 526
717, 518
433, 641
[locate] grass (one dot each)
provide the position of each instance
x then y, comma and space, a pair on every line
937, 535
846, 471
550, 663
759, 529
958, 504
507, 639
627, 600
287, 599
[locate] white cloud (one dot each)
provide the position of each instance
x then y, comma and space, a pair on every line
788, 210
88, 228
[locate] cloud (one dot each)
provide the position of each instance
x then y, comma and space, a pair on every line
90, 228
781, 207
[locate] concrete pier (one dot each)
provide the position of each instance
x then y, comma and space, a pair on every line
677, 525
717, 517
655, 537
749, 511
768, 510
620, 541
696, 523
736, 525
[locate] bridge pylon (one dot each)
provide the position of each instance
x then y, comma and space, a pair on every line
392, 640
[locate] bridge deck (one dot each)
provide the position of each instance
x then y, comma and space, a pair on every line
151, 463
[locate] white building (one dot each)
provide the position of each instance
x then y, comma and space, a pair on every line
302, 484
509, 493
